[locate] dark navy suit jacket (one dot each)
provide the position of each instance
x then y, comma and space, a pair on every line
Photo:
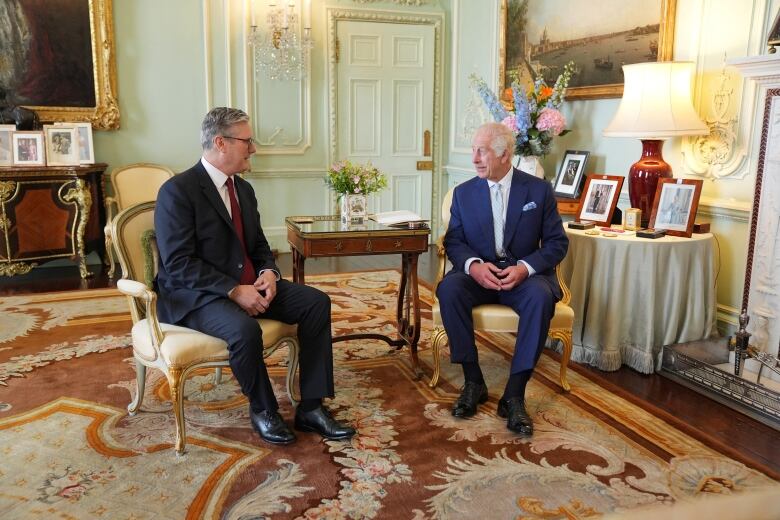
533, 231
200, 254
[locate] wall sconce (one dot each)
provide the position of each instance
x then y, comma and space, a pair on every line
279, 52
656, 105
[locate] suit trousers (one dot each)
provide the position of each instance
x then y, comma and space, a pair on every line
533, 300
293, 303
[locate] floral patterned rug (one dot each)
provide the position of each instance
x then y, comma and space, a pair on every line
70, 450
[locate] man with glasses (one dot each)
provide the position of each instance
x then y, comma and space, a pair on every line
217, 275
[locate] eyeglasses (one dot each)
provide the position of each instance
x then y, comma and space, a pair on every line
249, 141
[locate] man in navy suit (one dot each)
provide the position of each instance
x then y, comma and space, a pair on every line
504, 240
217, 275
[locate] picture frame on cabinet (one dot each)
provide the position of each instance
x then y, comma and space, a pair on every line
538, 39
601, 194
86, 148
675, 205
568, 183
62, 145
28, 148
6, 146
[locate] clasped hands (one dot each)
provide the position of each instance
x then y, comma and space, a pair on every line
490, 276
256, 298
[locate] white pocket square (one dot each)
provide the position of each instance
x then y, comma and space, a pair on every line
529, 206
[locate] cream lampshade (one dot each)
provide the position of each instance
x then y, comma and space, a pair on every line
656, 105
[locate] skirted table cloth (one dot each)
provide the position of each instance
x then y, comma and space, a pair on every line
631, 296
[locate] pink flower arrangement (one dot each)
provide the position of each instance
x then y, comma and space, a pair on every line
552, 120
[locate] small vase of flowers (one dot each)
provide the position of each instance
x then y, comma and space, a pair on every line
352, 182
536, 118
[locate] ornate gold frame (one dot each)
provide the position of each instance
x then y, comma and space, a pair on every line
665, 53
105, 115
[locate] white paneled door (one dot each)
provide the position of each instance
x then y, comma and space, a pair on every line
385, 108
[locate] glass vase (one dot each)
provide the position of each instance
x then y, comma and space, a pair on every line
353, 208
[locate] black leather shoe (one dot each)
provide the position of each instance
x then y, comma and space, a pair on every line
472, 395
321, 421
517, 418
271, 427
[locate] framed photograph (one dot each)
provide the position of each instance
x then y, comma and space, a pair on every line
675, 205
570, 177
539, 38
86, 148
601, 197
28, 148
60, 56
6, 149
62, 145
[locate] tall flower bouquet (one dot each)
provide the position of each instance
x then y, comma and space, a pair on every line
344, 178
536, 118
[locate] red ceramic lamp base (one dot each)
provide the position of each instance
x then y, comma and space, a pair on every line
643, 177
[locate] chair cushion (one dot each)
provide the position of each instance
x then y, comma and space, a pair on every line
182, 346
274, 330
500, 318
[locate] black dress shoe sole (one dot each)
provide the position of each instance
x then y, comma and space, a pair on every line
274, 442
311, 429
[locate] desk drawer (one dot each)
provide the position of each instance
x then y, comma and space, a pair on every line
368, 246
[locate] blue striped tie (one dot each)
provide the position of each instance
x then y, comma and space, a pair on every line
498, 218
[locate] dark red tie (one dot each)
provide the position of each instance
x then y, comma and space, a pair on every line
248, 276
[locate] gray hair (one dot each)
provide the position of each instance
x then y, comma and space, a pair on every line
218, 122
501, 137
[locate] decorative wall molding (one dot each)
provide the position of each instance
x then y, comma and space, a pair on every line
287, 173
717, 154
334, 15
409, 3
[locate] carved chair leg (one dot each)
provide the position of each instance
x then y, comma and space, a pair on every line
292, 369
437, 339
176, 383
140, 381
565, 337
218, 375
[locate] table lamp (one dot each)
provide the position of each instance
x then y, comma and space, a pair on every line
656, 105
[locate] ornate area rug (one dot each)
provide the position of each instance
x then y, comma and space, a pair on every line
69, 450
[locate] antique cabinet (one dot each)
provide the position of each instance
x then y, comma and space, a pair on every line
49, 212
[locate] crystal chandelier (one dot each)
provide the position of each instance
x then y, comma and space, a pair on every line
279, 51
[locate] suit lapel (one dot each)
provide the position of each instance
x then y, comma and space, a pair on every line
211, 194
517, 198
485, 210
247, 212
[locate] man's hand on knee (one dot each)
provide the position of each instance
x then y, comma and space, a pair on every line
512, 276
247, 297
266, 285
485, 275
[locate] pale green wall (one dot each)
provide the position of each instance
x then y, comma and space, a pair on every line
167, 80
159, 59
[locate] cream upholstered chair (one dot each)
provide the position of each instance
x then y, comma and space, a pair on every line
498, 318
176, 351
131, 184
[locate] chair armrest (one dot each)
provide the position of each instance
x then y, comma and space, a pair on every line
564, 288
141, 291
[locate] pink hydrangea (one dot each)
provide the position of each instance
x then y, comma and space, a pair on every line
552, 120
511, 123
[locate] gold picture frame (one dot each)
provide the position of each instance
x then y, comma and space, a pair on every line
664, 46
104, 115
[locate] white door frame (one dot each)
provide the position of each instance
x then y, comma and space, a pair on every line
364, 15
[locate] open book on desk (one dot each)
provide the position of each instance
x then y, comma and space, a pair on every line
401, 218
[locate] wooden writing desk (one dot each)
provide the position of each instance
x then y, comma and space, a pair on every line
322, 236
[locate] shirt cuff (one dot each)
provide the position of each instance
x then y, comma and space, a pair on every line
278, 276
471, 261
531, 270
